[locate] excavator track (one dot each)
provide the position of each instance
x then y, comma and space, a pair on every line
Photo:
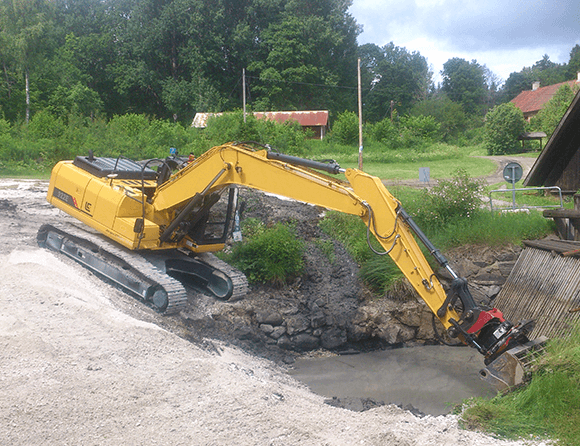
238, 278
127, 269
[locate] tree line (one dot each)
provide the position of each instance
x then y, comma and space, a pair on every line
169, 59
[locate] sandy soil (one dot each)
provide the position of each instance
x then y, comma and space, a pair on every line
83, 363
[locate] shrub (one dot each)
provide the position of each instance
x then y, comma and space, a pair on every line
384, 131
44, 125
503, 124
449, 200
422, 128
345, 128
271, 255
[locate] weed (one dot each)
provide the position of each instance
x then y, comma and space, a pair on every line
269, 255
548, 407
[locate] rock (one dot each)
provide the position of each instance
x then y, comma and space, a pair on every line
266, 328
269, 318
296, 324
243, 332
333, 338
305, 342
284, 343
395, 334
409, 314
425, 330
505, 268
318, 320
485, 278
277, 332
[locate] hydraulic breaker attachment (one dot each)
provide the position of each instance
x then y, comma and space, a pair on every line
513, 367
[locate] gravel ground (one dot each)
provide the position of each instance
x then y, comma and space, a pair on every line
83, 363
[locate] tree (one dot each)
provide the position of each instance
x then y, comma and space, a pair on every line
25, 28
297, 58
392, 75
464, 82
503, 124
450, 115
574, 62
551, 114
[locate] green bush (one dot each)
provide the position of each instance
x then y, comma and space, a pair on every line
345, 129
44, 125
449, 200
503, 124
385, 131
423, 129
269, 255
287, 137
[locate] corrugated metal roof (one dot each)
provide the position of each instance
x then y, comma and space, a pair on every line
530, 101
307, 118
200, 119
311, 118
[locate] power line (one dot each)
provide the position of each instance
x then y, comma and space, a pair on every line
300, 83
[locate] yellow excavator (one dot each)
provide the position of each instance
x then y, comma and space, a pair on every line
155, 222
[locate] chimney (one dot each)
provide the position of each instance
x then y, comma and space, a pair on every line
535, 85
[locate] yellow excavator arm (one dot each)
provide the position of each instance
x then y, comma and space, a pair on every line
128, 204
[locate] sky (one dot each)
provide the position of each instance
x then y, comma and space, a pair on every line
503, 35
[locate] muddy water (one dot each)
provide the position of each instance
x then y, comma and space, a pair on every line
431, 378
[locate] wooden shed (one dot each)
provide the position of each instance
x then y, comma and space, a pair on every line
559, 162
314, 120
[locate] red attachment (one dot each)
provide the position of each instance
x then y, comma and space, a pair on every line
484, 318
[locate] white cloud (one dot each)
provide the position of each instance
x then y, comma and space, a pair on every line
504, 36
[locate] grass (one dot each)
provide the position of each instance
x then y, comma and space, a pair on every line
403, 164
549, 407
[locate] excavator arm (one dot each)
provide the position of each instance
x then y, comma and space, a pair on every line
142, 215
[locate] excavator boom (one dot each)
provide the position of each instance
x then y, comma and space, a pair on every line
132, 205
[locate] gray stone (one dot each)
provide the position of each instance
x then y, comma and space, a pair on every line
266, 328
333, 338
305, 342
269, 318
318, 320
296, 324
277, 332
284, 343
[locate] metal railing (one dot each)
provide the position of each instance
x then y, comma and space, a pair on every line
527, 189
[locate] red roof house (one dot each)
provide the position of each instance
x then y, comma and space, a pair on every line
315, 120
530, 102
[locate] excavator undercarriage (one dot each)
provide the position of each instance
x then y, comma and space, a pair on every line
153, 232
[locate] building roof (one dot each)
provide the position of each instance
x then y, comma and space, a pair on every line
313, 118
559, 150
530, 101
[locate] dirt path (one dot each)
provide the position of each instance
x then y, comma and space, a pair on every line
83, 363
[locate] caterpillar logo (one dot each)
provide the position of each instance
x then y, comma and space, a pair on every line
88, 207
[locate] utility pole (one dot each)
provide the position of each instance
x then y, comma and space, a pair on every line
360, 135
244, 92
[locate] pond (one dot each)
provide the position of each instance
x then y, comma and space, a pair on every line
432, 378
